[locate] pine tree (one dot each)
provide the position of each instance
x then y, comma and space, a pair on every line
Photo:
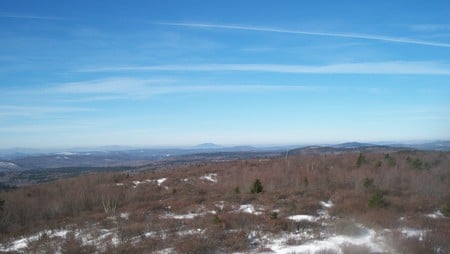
256, 187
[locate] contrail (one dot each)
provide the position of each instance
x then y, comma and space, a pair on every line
312, 33
14, 16
393, 68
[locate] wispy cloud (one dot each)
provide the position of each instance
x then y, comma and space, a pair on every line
395, 67
313, 33
132, 88
20, 16
430, 27
141, 89
14, 110
115, 88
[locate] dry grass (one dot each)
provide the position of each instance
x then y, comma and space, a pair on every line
291, 186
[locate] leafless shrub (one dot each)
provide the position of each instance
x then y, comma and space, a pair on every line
109, 204
87, 199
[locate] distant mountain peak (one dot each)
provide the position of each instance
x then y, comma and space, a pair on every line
208, 146
352, 145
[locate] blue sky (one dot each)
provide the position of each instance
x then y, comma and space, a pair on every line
177, 73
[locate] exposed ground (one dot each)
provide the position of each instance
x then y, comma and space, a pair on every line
310, 203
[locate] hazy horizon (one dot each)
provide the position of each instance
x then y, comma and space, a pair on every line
182, 73
203, 146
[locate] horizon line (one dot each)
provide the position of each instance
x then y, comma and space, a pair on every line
190, 146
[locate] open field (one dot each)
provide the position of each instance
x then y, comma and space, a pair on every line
371, 202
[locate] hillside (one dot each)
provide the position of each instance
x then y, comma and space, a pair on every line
346, 202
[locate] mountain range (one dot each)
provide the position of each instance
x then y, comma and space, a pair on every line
113, 156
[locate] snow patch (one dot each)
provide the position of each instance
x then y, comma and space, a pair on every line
197, 231
302, 217
23, 242
188, 216
334, 243
436, 215
160, 181
8, 165
413, 233
220, 205
249, 208
124, 216
327, 204
165, 251
212, 177
136, 183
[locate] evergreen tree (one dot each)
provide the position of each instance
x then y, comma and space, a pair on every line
256, 187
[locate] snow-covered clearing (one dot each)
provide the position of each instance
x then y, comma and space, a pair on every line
310, 240
369, 239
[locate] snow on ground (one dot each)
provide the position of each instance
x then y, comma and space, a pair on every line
212, 177
334, 243
413, 233
88, 236
166, 251
308, 240
220, 205
23, 242
160, 181
327, 204
197, 231
105, 234
188, 216
249, 208
124, 216
436, 215
136, 183
5, 164
302, 217
305, 240
323, 213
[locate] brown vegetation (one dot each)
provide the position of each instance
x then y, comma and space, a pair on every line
374, 189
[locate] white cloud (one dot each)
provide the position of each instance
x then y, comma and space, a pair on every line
393, 67
314, 33
132, 88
